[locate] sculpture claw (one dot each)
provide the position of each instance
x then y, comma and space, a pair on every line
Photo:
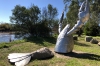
84, 11
60, 22
21, 59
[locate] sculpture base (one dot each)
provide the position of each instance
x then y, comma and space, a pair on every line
64, 44
63, 52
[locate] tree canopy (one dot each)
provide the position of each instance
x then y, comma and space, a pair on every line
43, 22
31, 21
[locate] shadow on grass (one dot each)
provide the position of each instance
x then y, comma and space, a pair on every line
81, 44
41, 40
83, 56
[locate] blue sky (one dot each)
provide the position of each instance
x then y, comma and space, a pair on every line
7, 5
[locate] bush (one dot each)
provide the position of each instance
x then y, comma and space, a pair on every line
91, 29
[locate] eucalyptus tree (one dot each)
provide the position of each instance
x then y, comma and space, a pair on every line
52, 14
31, 21
72, 14
92, 27
49, 16
25, 19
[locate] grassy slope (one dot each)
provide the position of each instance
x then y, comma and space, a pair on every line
91, 57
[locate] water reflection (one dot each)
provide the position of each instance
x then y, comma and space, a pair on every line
6, 37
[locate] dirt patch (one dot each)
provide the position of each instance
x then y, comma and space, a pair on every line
68, 55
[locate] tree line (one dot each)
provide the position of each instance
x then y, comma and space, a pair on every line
6, 27
44, 23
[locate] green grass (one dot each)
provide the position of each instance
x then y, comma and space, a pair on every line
9, 44
84, 54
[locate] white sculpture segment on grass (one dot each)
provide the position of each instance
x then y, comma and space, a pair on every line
21, 59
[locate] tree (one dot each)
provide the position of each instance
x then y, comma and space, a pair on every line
4, 27
31, 21
49, 15
52, 13
44, 14
92, 28
25, 18
27, 21
72, 15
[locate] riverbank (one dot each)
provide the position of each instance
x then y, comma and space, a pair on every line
7, 32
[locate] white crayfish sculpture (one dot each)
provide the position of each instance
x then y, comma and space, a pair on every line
21, 59
64, 42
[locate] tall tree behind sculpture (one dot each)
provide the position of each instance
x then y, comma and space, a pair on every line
52, 13
94, 20
72, 13
49, 15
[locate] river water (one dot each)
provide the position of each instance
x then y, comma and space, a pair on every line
6, 37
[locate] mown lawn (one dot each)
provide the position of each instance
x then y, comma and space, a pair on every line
84, 53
